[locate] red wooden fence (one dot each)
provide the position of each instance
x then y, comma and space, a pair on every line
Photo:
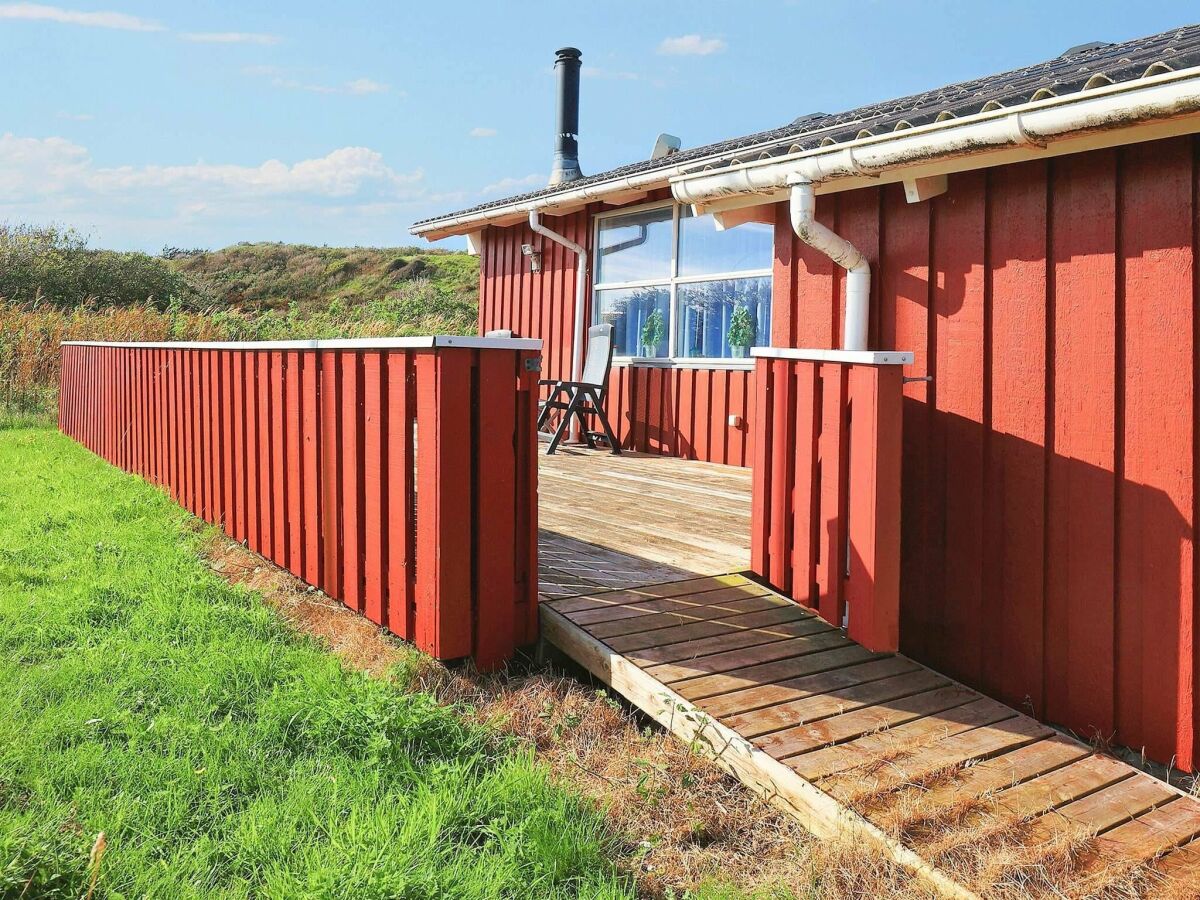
398, 476
825, 527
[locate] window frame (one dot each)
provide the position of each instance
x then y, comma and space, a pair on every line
671, 283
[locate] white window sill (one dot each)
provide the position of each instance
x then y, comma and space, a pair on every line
681, 362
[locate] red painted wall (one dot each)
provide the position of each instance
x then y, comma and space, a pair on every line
1048, 503
1048, 506
677, 412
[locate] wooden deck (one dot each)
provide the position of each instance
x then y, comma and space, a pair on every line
938, 777
619, 521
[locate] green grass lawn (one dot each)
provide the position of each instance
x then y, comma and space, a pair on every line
221, 753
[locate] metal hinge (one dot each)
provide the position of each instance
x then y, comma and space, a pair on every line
533, 364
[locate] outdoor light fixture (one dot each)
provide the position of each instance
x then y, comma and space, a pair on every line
535, 257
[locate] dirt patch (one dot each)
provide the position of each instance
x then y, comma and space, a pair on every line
683, 822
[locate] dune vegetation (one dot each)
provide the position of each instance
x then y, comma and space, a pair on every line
54, 287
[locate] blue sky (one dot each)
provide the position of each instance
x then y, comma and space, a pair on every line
201, 124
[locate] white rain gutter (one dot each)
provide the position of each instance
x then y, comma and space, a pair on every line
803, 207
1007, 134
580, 288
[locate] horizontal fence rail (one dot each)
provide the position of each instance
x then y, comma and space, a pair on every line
399, 476
825, 522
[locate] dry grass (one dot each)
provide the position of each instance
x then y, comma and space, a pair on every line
687, 828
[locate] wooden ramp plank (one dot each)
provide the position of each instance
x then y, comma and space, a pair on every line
646, 592
607, 612
832, 703
687, 650
721, 610
1009, 769
818, 724
949, 754
807, 686
875, 749
806, 738
662, 636
1063, 786
816, 810
710, 685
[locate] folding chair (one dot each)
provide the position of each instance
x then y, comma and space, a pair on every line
584, 397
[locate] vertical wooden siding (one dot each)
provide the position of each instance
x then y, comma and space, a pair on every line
825, 520
676, 412
1048, 468
310, 457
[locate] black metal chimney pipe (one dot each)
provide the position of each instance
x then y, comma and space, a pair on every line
566, 144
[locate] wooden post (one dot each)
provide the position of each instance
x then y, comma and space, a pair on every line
873, 588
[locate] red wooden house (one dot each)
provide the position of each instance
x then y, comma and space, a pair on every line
1031, 238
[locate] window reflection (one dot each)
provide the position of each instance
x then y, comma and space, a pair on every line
640, 318
723, 318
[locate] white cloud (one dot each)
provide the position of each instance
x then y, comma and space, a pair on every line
691, 45
54, 178
512, 185
365, 86
481, 132
230, 37
102, 19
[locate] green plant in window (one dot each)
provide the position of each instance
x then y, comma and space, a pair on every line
654, 329
741, 330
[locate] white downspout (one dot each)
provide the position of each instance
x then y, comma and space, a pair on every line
858, 271
580, 287
581, 275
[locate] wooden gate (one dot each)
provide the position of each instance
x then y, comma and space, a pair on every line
398, 476
825, 519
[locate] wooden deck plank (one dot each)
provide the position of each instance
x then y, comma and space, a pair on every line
758, 722
1180, 870
742, 657
804, 739
817, 811
806, 686
757, 621
1010, 769
784, 669
953, 752
877, 748
1159, 830
1062, 786
648, 592
719, 643
641, 624
607, 612
1110, 806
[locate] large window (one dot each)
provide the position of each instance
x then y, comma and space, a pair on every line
672, 285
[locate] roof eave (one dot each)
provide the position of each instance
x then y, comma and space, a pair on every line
1135, 111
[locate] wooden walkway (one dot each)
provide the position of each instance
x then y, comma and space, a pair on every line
975, 797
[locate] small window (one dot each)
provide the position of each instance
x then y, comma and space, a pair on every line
672, 285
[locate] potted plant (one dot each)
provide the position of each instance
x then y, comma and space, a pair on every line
741, 331
654, 329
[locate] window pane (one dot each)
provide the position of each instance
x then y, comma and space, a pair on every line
636, 247
640, 318
705, 251
723, 318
